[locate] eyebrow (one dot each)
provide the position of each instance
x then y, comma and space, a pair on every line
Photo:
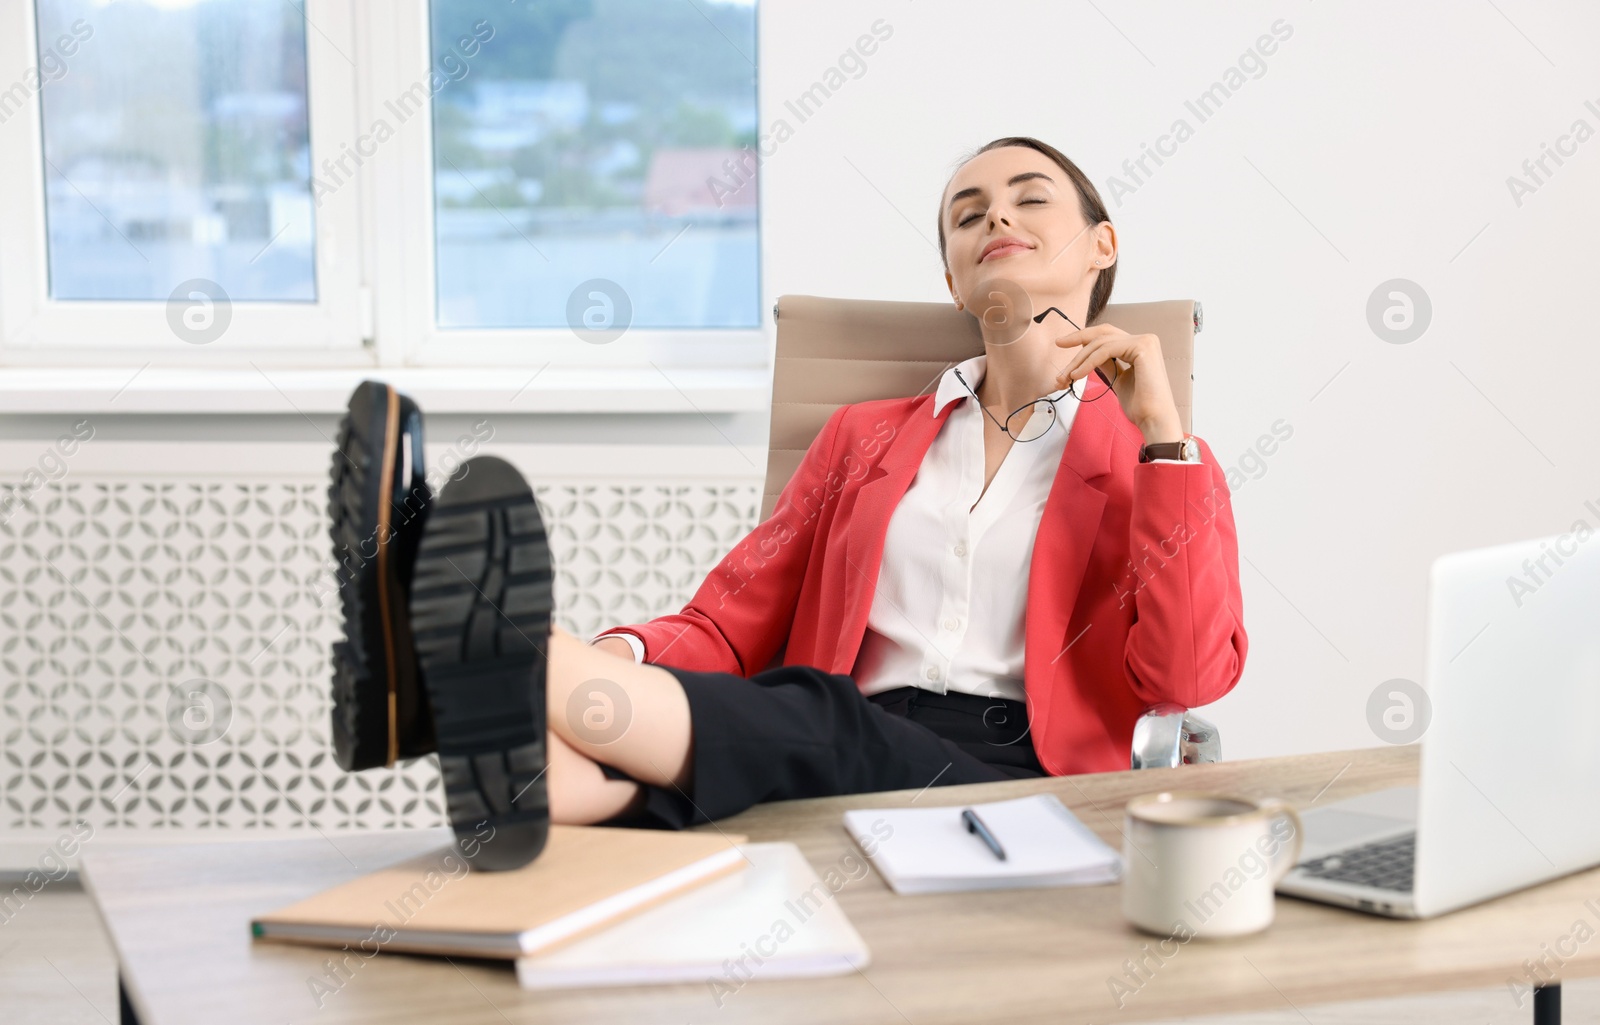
1024, 176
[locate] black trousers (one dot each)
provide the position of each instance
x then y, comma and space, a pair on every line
797, 731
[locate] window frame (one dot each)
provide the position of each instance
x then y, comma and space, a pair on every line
35, 328
375, 244
412, 320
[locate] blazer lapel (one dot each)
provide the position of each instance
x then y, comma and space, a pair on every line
1068, 527
886, 483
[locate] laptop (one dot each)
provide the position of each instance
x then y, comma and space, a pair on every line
1508, 792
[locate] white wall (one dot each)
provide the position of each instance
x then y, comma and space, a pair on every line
1376, 145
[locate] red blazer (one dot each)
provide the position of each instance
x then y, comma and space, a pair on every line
1133, 587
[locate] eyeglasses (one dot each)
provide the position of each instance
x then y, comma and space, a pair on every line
1041, 412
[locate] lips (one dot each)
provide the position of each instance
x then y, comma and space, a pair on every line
1002, 247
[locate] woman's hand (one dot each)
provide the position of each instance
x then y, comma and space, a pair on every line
1149, 403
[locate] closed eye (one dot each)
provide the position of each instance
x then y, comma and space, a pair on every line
972, 217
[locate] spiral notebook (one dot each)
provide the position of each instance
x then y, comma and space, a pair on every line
928, 850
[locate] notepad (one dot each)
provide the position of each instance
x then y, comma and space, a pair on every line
928, 850
774, 920
586, 878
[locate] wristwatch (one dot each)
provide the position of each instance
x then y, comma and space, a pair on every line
1187, 450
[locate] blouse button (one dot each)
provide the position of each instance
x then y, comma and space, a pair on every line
933, 672
961, 549
952, 624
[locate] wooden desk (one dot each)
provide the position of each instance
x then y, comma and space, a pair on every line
177, 918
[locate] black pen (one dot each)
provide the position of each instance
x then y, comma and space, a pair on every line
975, 825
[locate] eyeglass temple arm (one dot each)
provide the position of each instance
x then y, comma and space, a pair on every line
1051, 309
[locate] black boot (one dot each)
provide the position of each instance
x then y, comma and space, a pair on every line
480, 612
378, 504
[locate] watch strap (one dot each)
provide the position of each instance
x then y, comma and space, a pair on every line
1185, 450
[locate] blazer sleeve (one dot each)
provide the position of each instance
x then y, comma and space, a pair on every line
1187, 643
742, 612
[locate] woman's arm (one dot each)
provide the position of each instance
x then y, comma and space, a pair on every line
1187, 643
741, 613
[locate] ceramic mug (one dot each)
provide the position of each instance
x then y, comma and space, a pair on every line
1205, 864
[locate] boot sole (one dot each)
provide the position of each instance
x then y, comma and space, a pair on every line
366, 662
481, 604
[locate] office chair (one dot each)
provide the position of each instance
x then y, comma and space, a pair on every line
835, 351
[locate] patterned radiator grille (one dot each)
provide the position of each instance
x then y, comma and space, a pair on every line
163, 645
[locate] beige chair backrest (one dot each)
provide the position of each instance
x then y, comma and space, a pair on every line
834, 351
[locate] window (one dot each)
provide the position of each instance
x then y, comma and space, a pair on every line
350, 182
156, 157
578, 147
177, 149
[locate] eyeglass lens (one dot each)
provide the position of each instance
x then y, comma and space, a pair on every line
1041, 416
1080, 387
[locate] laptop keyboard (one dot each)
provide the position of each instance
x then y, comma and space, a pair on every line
1384, 865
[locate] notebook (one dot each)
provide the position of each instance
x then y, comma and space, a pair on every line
776, 914
928, 850
585, 878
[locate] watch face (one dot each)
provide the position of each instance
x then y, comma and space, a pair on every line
1191, 450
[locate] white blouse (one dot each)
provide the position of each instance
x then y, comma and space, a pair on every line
947, 612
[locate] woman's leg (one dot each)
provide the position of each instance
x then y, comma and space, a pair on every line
667, 748
580, 792
614, 710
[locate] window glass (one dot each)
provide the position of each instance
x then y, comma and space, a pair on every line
176, 149
594, 164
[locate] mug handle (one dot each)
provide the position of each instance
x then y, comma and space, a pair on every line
1283, 808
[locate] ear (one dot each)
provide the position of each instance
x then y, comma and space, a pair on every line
1105, 245
950, 283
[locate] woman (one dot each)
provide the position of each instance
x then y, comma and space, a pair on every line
1024, 522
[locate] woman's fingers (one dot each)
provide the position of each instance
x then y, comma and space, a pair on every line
1090, 356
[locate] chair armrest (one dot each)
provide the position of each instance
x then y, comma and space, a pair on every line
1168, 735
